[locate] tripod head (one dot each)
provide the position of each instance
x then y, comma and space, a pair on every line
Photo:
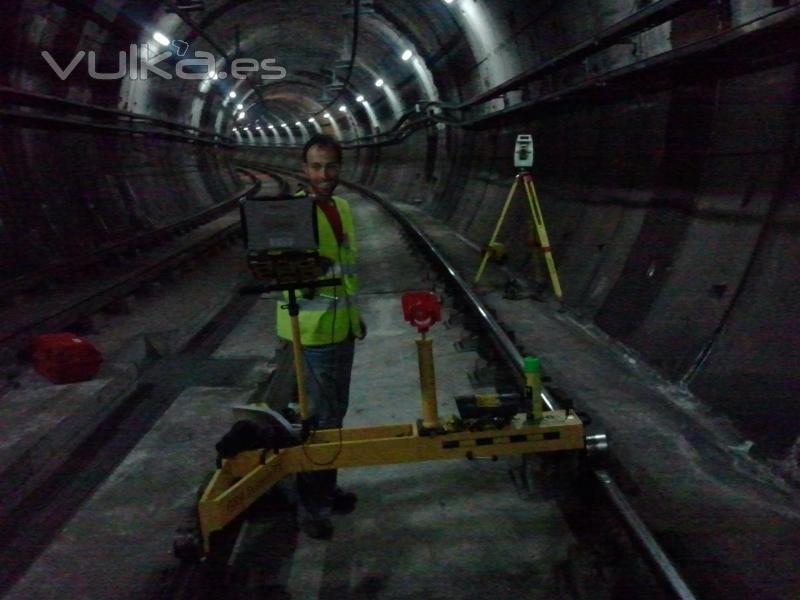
523, 153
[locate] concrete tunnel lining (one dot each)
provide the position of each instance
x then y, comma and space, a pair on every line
670, 194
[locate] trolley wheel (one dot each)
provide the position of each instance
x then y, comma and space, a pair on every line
187, 545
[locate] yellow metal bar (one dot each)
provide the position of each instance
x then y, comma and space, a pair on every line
297, 350
541, 230
226, 497
207, 513
427, 383
486, 254
555, 433
362, 433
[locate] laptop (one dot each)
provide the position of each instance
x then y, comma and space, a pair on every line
279, 224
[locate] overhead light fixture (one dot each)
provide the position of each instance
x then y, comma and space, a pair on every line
232, 95
312, 120
327, 115
241, 116
284, 125
298, 124
360, 99
240, 107
379, 83
407, 54
342, 108
190, 6
272, 126
161, 38
448, 1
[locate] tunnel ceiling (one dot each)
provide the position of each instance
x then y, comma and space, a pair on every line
499, 54
310, 40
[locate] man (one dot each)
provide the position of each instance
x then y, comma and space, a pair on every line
329, 324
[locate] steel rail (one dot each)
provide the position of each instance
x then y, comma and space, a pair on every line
17, 97
667, 573
643, 537
134, 243
655, 555
44, 121
95, 300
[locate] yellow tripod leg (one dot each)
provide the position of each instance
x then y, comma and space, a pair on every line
485, 258
538, 219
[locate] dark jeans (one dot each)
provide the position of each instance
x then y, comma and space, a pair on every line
327, 370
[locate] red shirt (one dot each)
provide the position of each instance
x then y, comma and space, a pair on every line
329, 208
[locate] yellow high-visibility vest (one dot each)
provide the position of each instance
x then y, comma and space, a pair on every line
331, 315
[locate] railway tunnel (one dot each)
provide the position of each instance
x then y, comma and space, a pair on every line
666, 166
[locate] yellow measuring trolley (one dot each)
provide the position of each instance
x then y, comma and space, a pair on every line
486, 429
271, 448
242, 480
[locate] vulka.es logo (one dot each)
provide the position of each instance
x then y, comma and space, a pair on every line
139, 64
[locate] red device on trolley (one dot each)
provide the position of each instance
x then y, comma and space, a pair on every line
421, 309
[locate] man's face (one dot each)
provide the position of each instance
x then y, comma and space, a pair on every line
322, 169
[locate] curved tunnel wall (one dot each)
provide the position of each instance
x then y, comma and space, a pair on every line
672, 211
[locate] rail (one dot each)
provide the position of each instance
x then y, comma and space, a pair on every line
95, 299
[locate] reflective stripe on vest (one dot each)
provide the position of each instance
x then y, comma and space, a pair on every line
331, 315
322, 304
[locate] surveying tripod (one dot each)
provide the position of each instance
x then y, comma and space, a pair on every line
541, 231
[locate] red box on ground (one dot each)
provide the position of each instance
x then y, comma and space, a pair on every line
65, 357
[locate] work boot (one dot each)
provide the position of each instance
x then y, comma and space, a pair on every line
319, 529
343, 502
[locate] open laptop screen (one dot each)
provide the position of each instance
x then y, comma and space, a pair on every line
279, 224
